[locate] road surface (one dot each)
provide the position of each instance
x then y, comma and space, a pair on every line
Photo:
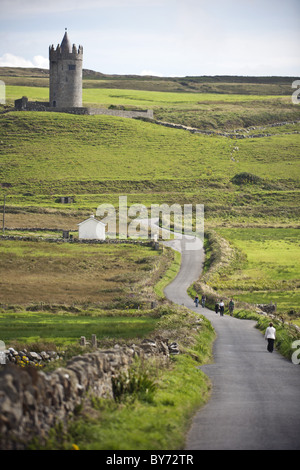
255, 400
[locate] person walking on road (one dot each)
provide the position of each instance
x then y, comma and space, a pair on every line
231, 307
270, 336
217, 307
196, 301
221, 306
203, 298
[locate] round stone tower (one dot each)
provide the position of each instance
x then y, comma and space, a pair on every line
65, 74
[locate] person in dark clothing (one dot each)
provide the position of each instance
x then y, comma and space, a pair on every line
231, 307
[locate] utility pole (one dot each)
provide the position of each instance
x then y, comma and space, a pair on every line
3, 222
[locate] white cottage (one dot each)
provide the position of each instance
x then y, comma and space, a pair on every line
91, 229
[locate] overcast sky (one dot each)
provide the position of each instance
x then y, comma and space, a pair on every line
158, 37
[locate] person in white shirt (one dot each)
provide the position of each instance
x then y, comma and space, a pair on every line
221, 307
270, 336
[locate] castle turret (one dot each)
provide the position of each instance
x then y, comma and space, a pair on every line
65, 74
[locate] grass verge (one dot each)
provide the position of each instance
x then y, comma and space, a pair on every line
143, 424
169, 275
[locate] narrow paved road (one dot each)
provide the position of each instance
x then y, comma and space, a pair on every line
255, 401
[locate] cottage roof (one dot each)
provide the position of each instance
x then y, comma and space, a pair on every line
92, 218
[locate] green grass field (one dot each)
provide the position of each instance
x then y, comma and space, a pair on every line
271, 271
102, 148
57, 292
97, 158
64, 329
202, 110
144, 98
64, 148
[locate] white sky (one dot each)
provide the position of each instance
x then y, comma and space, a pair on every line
159, 37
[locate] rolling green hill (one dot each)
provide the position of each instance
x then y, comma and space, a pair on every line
96, 158
207, 111
203, 84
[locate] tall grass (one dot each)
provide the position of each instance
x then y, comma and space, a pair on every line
169, 275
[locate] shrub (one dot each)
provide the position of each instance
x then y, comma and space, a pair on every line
246, 178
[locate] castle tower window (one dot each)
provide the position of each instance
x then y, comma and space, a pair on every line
72, 67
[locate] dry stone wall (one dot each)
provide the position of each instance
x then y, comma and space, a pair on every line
236, 134
32, 401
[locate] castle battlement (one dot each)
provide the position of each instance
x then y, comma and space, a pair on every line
59, 53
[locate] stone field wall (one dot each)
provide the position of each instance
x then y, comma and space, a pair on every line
23, 104
32, 401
